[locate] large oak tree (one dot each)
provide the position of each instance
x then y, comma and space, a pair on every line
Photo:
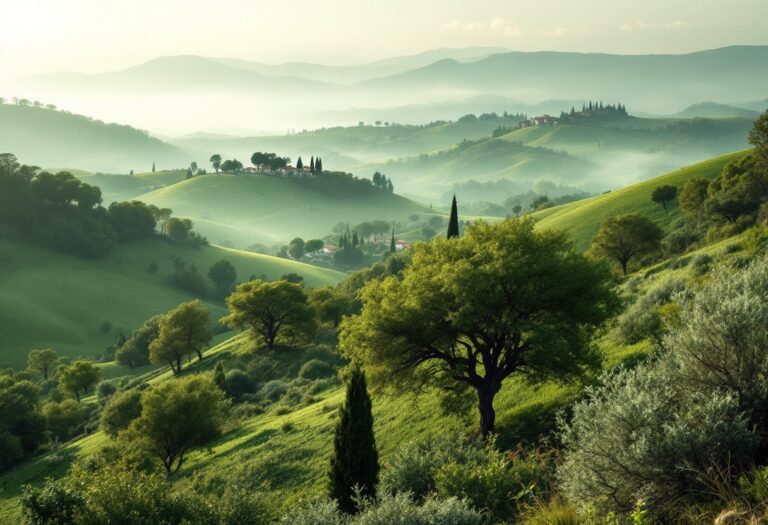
503, 300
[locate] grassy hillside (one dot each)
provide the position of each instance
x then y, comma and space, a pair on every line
582, 219
486, 160
49, 299
127, 187
674, 138
45, 137
260, 209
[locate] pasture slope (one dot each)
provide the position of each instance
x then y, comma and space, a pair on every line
582, 218
50, 299
262, 209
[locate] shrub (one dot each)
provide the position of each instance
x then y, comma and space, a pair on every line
639, 323
238, 506
64, 419
238, 383
700, 263
401, 510
316, 369
642, 435
314, 512
287, 426
121, 409
105, 390
273, 390
756, 239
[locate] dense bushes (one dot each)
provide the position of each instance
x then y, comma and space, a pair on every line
112, 495
469, 469
63, 213
660, 431
644, 319
21, 425
397, 509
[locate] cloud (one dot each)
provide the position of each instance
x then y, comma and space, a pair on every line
641, 25
500, 26
561, 31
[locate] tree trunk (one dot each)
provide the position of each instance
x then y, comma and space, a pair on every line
485, 397
199, 354
624, 266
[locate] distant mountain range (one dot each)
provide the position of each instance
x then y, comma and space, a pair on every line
181, 94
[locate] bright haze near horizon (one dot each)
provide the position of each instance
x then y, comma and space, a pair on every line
114, 48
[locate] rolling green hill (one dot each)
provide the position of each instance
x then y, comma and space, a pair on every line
49, 299
127, 187
486, 160
582, 218
46, 137
262, 209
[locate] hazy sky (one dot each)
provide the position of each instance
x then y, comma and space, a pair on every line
99, 35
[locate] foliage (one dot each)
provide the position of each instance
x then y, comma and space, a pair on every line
21, 424
132, 220
504, 295
135, 350
266, 308
397, 509
453, 221
187, 277
120, 410
64, 419
78, 378
329, 304
625, 237
223, 275
237, 383
693, 195
664, 194
42, 361
296, 248
354, 467
177, 416
653, 432
316, 369
182, 331
105, 390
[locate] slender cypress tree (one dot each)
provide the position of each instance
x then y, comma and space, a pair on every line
299, 164
153, 167
355, 461
319, 165
392, 246
312, 164
218, 376
453, 223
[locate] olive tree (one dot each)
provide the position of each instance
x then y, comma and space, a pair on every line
625, 237
267, 308
183, 331
177, 416
470, 312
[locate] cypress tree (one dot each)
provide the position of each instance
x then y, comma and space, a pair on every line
312, 164
218, 376
453, 223
299, 164
392, 246
319, 165
355, 461
153, 167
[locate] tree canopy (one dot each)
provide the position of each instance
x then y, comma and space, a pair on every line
267, 308
79, 377
467, 313
177, 416
42, 360
624, 237
664, 195
183, 331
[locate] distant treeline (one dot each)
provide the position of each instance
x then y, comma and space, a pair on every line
61, 212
